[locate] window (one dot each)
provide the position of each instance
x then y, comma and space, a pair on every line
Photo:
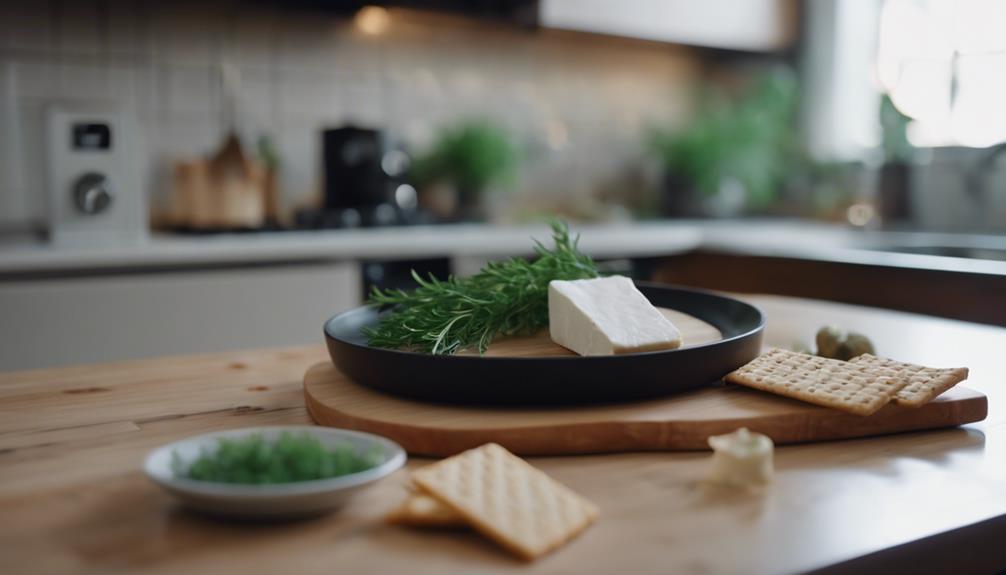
943, 62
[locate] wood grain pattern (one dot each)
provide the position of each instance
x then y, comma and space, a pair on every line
73, 498
680, 422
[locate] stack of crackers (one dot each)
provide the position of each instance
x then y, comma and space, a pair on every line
501, 496
860, 386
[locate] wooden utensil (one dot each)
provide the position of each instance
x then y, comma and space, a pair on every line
227, 191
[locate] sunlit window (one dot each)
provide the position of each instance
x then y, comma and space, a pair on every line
943, 62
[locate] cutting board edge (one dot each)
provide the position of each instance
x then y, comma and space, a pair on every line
595, 437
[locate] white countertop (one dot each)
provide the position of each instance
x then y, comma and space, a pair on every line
467, 240
784, 238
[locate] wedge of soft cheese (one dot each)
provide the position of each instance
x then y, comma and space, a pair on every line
606, 316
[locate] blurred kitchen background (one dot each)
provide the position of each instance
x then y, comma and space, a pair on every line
178, 177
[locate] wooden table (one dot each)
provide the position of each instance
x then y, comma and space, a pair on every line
73, 498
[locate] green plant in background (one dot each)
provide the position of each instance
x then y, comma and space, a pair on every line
751, 139
470, 155
894, 127
267, 152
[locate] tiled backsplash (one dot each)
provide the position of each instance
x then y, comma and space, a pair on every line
579, 105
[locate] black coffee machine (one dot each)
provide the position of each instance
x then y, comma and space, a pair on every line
366, 185
351, 157
363, 180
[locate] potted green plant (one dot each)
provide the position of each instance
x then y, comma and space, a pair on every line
739, 147
470, 156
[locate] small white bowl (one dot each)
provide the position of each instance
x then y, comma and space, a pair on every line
273, 501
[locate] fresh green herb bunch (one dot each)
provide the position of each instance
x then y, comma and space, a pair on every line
290, 458
504, 298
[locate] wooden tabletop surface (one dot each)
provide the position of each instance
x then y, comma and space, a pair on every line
73, 498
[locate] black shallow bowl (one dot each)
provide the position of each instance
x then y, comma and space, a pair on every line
561, 380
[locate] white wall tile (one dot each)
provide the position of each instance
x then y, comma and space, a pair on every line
252, 38
188, 93
307, 42
306, 97
146, 95
257, 107
299, 148
361, 106
186, 33
52, 81
108, 83
356, 53
32, 158
303, 71
13, 199
34, 80
175, 139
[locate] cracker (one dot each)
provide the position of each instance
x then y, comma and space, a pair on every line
508, 500
422, 510
842, 385
922, 384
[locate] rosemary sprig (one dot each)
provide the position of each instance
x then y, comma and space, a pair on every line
505, 298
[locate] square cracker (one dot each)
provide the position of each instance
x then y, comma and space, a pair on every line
922, 384
853, 388
422, 510
507, 499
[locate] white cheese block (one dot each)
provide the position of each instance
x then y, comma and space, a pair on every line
606, 316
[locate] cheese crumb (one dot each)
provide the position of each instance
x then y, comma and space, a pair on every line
741, 458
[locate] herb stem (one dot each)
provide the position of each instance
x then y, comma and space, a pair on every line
505, 298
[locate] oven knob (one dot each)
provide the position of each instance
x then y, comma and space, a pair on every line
92, 193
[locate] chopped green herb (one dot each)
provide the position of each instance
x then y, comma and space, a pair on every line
289, 458
504, 298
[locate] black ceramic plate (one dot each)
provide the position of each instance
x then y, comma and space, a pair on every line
560, 380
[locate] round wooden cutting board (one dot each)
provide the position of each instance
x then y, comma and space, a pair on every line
680, 422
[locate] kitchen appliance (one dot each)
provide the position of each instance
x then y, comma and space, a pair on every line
353, 176
364, 183
94, 189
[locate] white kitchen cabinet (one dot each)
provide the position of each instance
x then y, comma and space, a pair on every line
61, 321
752, 25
